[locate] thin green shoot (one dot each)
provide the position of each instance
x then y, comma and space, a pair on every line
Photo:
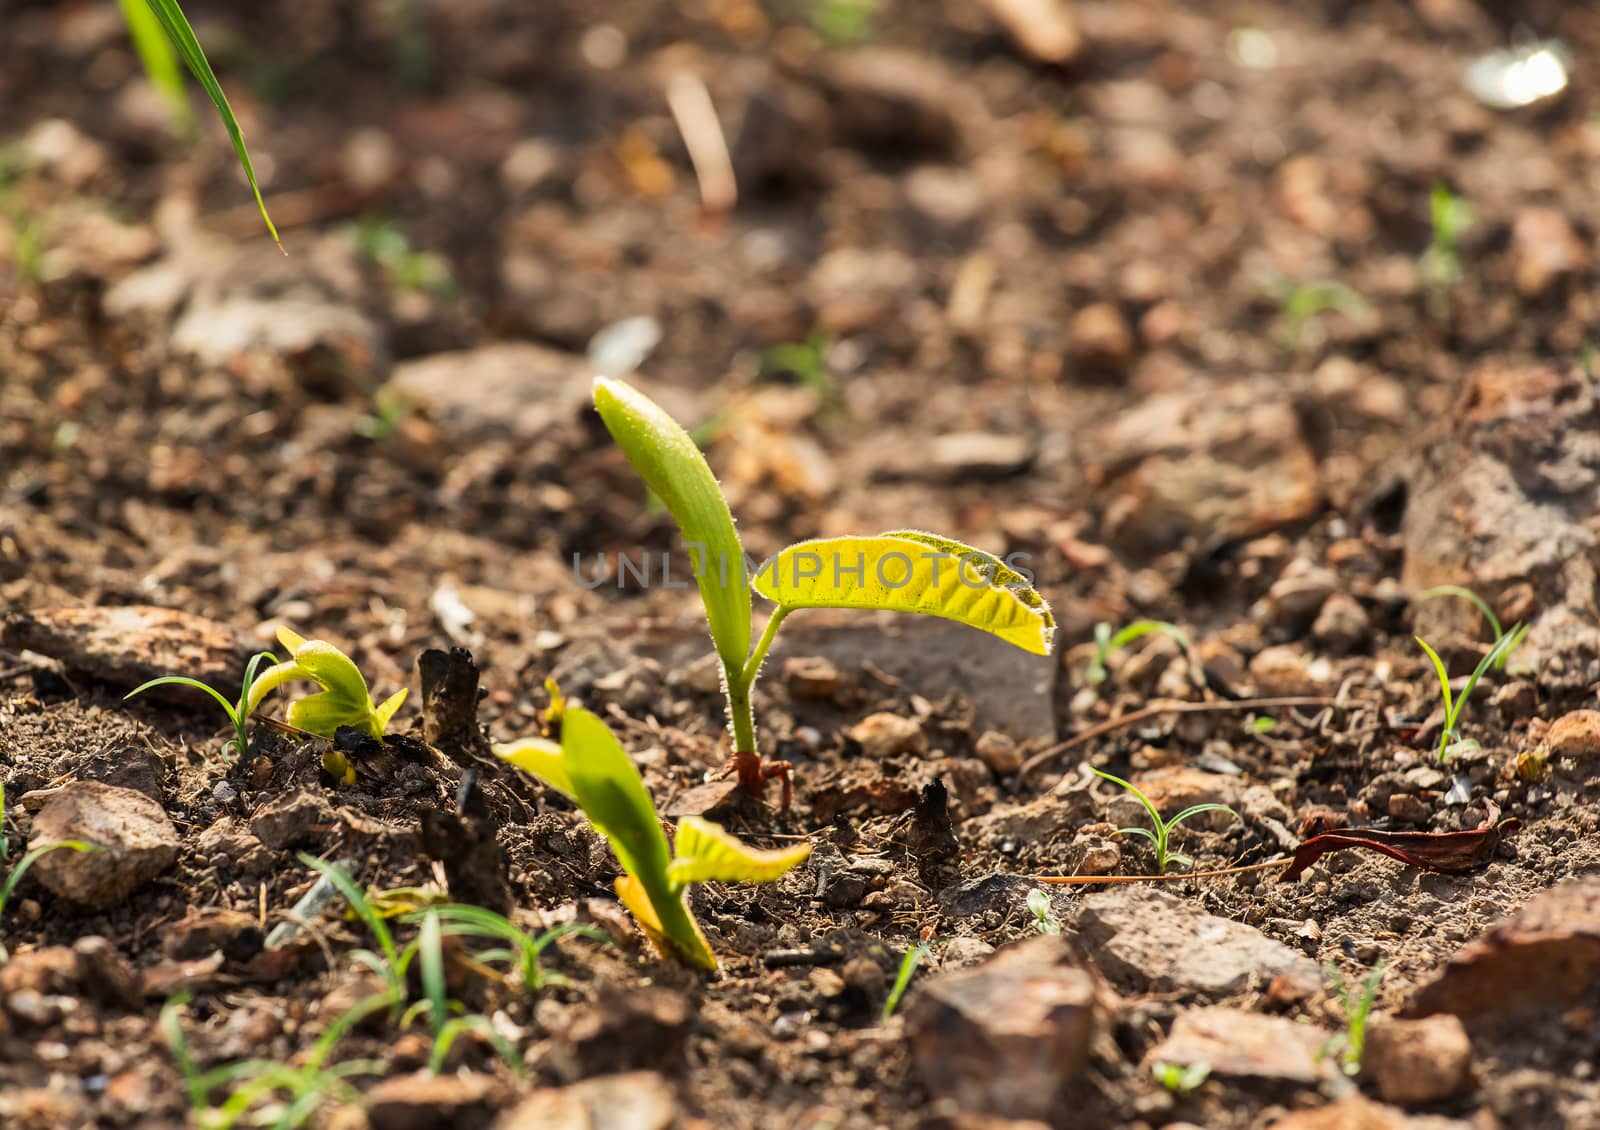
1044, 912
843, 21
914, 957
238, 712
390, 963
160, 63
1105, 643
523, 950
1450, 739
806, 363
1161, 833
1300, 304
1488, 614
1179, 1079
1450, 216
1351, 1043
381, 240
447, 1018
14, 876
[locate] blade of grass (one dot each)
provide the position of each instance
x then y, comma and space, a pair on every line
159, 62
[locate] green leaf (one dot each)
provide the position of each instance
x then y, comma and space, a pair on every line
1444, 681
607, 785
910, 571
1136, 791
182, 37
160, 64
706, 852
541, 758
1196, 810
344, 701
672, 466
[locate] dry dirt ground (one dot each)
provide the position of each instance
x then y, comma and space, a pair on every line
1052, 308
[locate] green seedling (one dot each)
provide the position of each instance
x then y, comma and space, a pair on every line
521, 950
160, 63
1300, 304
1450, 739
1350, 1043
344, 701
1161, 833
265, 1093
448, 1019
1488, 614
14, 876
1044, 912
238, 712
1177, 1078
843, 21
1105, 643
591, 767
914, 957
806, 363
380, 240
389, 961
170, 17
1451, 216
904, 570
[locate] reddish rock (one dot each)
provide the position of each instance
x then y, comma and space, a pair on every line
1245, 1044
1575, 735
135, 839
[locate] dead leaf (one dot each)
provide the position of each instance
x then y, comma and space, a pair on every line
1449, 852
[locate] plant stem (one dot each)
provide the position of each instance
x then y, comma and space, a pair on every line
741, 718
752, 666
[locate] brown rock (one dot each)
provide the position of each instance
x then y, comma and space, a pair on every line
205, 930
1044, 29
105, 974
290, 819
426, 1102
1007, 1036
885, 95
1172, 790
1298, 596
1100, 337
511, 388
1575, 735
1360, 1113
810, 676
885, 735
1408, 808
52, 969
1544, 249
1245, 1044
640, 1028
635, 1100
1343, 624
132, 644
1285, 669
999, 752
1546, 956
1148, 941
1418, 1061
136, 840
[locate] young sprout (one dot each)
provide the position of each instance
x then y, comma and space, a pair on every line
1451, 216
1162, 831
1450, 740
1105, 643
238, 712
160, 63
1300, 304
914, 957
449, 1019
904, 570
14, 876
1488, 614
1350, 1043
1044, 912
1178, 1079
591, 767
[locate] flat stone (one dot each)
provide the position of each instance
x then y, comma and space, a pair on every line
641, 1028
890, 95
1360, 1113
1151, 942
131, 644
998, 890
1545, 957
634, 1100
1575, 735
810, 676
1238, 1044
885, 735
290, 819
1418, 1061
511, 388
423, 1101
136, 839
50, 969
1043, 29
1007, 1036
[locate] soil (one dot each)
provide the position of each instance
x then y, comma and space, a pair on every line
1049, 301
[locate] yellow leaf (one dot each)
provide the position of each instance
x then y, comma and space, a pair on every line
704, 851
692, 948
911, 571
541, 758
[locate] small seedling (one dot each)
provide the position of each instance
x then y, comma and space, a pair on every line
1300, 304
914, 957
1105, 643
522, 950
449, 1019
1177, 1078
266, 1093
390, 963
1451, 216
1450, 739
381, 241
1263, 724
1488, 614
1044, 912
14, 876
238, 712
843, 21
806, 363
1162, 831
1350, 1043
160, 63
904, 570
591, 767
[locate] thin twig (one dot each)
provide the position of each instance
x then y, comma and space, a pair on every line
691, 107
1156, 710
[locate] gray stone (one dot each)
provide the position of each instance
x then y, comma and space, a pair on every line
511, 388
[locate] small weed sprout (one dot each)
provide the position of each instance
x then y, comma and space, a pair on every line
14, 876
1178, 1079
914, 957
843, 21
590, 767
238, 712
1450, 739
1044, 912
1488, 614
903, 570
1161, 833
1300, 304
380, 240
1105, 643
1350, 1043
1451, 216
